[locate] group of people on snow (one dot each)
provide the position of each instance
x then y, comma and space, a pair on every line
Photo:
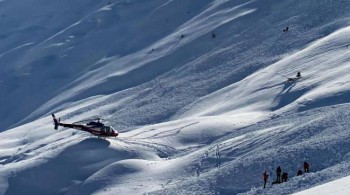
283, 176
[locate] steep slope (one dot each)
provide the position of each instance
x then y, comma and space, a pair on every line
100, 50
196, 114
339, 186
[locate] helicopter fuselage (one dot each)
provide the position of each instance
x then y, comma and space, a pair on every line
95, 128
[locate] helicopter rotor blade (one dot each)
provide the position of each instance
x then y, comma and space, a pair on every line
88, 120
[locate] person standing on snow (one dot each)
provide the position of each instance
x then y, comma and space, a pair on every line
306, 167
278, 173
300, 172
284, 177
266, 176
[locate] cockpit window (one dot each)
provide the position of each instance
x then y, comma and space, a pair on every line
113, 130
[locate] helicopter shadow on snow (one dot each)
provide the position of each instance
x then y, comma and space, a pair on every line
93, 143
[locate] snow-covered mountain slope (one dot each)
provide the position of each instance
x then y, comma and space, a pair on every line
339, 186
196, 115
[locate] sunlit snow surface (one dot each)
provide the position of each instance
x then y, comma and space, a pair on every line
196, 115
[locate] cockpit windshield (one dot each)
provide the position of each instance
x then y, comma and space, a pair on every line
113, 130
108, 129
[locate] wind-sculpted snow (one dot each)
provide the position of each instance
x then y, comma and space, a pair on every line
206, 113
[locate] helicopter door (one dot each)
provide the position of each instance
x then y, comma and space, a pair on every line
103, 129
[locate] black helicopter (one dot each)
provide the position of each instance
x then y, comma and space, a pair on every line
94, 127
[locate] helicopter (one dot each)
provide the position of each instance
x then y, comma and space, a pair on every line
94, 127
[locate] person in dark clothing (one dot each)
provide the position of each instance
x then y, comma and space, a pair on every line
284, 177
213, 35
182, 36
286, 29
300, 172
293, 79
306, 167
266, 176
278, 173
298, 74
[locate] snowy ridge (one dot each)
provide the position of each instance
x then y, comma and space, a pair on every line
196, 115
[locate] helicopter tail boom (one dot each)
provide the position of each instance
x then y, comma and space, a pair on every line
55, 122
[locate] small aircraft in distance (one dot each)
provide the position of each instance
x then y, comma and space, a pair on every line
93, 127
